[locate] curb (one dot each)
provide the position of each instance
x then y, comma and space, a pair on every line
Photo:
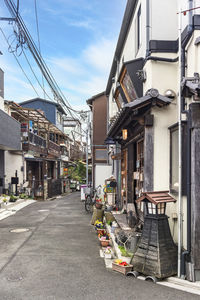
171, 282
12, 208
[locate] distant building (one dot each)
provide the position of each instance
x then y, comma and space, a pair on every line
101, 168
52, 110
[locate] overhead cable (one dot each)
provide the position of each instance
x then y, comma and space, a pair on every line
20, 65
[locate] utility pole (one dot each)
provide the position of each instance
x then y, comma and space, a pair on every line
87, 140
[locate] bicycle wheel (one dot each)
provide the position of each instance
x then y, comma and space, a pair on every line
88, 203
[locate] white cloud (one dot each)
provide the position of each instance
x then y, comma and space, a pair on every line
87, 74
100, 54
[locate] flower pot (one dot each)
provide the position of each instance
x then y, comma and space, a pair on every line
105, 243
98, 205
101, 231
108, 255
122, 269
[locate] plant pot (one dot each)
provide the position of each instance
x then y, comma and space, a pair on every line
121, 269
101, 231
98, 205
105, 243
108, 255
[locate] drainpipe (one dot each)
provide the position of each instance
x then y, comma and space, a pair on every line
147, 26
180, 208
186, 253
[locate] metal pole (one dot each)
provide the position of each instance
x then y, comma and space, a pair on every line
179, 155
87, 132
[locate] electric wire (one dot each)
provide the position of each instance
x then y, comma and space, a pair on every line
41, 86
20, 64
24, 38
39, 60
38, 36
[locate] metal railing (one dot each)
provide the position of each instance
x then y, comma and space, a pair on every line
37, 140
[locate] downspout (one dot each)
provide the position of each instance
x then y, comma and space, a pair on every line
147, 27
186, 253
180, 205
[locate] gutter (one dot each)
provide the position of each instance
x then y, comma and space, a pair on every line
157, 58
186, 254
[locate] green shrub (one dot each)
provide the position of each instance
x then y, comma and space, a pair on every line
124, 252
13, 198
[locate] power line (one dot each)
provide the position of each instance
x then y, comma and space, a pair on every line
38, 58
19, 64
24, 38
38, 35
42, 87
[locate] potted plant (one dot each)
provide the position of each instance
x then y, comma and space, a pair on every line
108, 252
105, 241
121, 266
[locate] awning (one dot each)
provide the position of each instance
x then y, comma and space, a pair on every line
135, 109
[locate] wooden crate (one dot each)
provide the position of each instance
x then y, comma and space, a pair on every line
122, 269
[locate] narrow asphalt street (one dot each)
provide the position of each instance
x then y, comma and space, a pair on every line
58, 258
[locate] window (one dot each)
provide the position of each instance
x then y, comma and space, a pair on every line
101, 154
138, 29
174, 160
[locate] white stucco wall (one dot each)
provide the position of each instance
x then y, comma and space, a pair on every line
13, 162
162, 75
102, 172
163, 118
193, 55
164, 20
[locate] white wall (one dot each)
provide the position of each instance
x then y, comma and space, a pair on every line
193, 56
162, 75
13, 162
102, 172
164, 20
163, 118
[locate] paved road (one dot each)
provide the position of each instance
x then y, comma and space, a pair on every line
58, 258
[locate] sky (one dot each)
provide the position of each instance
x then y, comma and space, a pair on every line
77, 40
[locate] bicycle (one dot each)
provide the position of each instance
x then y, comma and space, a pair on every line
91, 198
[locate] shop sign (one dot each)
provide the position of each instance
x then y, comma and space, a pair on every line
65, 171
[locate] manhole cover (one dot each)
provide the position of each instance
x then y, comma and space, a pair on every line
19, 230
15, 277
43, 210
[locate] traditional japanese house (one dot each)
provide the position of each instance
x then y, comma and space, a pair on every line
144, 117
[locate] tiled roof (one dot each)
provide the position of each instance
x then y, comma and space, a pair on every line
157, 197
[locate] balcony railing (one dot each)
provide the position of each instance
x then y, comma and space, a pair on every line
54, 149
37, 140
34, 143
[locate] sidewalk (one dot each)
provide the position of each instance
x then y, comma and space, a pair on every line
172, 282
11, 208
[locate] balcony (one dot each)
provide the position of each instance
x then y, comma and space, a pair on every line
34, 143
54, 149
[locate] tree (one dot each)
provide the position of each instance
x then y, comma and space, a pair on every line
77, 172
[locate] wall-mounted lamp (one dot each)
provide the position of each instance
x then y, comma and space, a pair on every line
124, 134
